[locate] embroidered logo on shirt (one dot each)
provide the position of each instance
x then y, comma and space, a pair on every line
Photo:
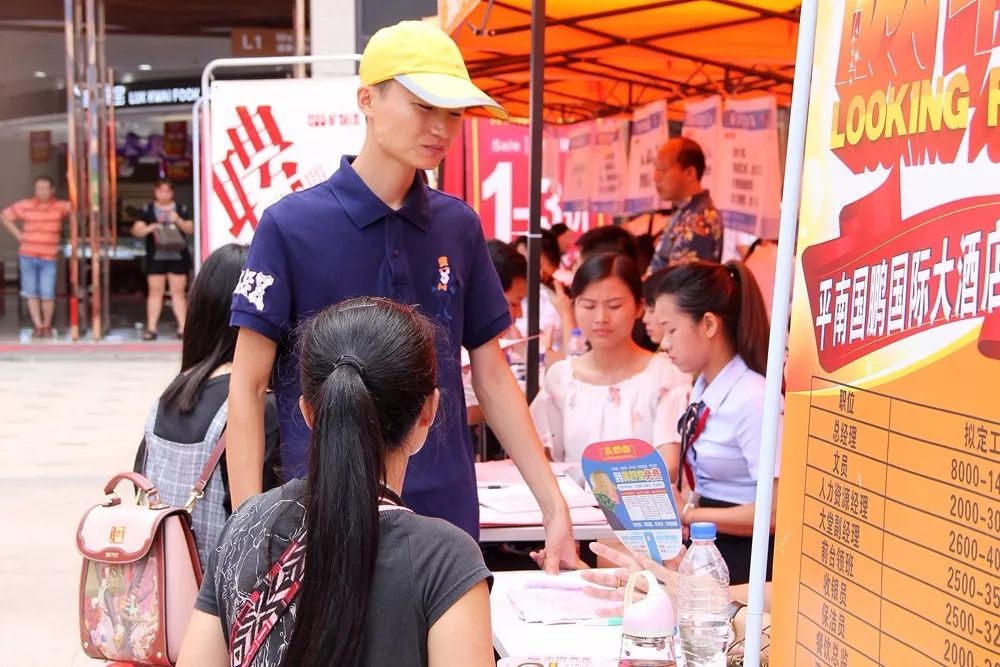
444, 274
446, 288
252, 286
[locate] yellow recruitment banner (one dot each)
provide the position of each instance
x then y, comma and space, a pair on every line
888, 534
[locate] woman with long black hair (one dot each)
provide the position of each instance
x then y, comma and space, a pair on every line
188, 419
333, 569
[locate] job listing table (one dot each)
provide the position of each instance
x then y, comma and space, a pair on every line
901, 534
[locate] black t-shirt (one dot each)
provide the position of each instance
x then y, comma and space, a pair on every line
423, 567
191, 427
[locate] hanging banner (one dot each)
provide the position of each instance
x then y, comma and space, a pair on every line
497, 151
271, 137
747, 188
649, 132
888, 529
703, 124
40, 145
610, 164
579, 167
497, 172
175, 139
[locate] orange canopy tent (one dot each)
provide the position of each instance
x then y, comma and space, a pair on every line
580, 59
604, 57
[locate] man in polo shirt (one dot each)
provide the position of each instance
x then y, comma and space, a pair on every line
374, 228
41, 218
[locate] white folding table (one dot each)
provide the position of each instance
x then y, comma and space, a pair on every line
514, 637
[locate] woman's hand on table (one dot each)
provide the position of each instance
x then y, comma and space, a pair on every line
610, 585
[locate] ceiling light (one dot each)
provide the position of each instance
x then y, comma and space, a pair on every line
145, 68
127, 77
40, 75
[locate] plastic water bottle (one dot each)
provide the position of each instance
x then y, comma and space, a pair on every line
647, 626
577, 344
702, 598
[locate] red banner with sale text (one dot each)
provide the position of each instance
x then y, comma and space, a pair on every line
497, 173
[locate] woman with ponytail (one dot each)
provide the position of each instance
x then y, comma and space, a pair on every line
333, 569
716, 327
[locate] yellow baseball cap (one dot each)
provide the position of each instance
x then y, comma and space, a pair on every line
425, 61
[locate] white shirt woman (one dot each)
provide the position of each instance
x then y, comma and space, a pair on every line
572, 413
617, 389
715, 326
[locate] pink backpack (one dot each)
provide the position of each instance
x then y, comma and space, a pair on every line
141, 573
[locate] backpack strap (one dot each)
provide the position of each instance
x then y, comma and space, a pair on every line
272, 597
198, 490
216, 430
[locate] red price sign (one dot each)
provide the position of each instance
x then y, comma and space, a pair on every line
497, 172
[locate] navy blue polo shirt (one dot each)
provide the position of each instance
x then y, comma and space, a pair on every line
338, 240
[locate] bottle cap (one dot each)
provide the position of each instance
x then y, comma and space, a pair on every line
703, 530
653, 616
576, 332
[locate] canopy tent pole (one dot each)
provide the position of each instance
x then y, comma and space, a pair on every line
535, 192
199, 186
784, 270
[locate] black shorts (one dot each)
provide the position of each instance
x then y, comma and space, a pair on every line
180, 267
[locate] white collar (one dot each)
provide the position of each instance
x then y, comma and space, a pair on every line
714, 394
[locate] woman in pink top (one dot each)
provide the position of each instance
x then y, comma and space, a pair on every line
617, 389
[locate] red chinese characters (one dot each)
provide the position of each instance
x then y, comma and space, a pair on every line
253, 165
885, 279
904, 99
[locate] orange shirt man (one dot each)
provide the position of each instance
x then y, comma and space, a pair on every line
41, 219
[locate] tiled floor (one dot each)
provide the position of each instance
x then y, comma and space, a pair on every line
128, 315
66, 425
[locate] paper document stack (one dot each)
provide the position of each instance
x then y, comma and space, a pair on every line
550, 600
556, 661
506, 500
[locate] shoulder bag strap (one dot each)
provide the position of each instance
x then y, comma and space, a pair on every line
270, 599
198, 490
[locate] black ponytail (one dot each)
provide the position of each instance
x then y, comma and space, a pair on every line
730, 292
354, 357
753, 328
